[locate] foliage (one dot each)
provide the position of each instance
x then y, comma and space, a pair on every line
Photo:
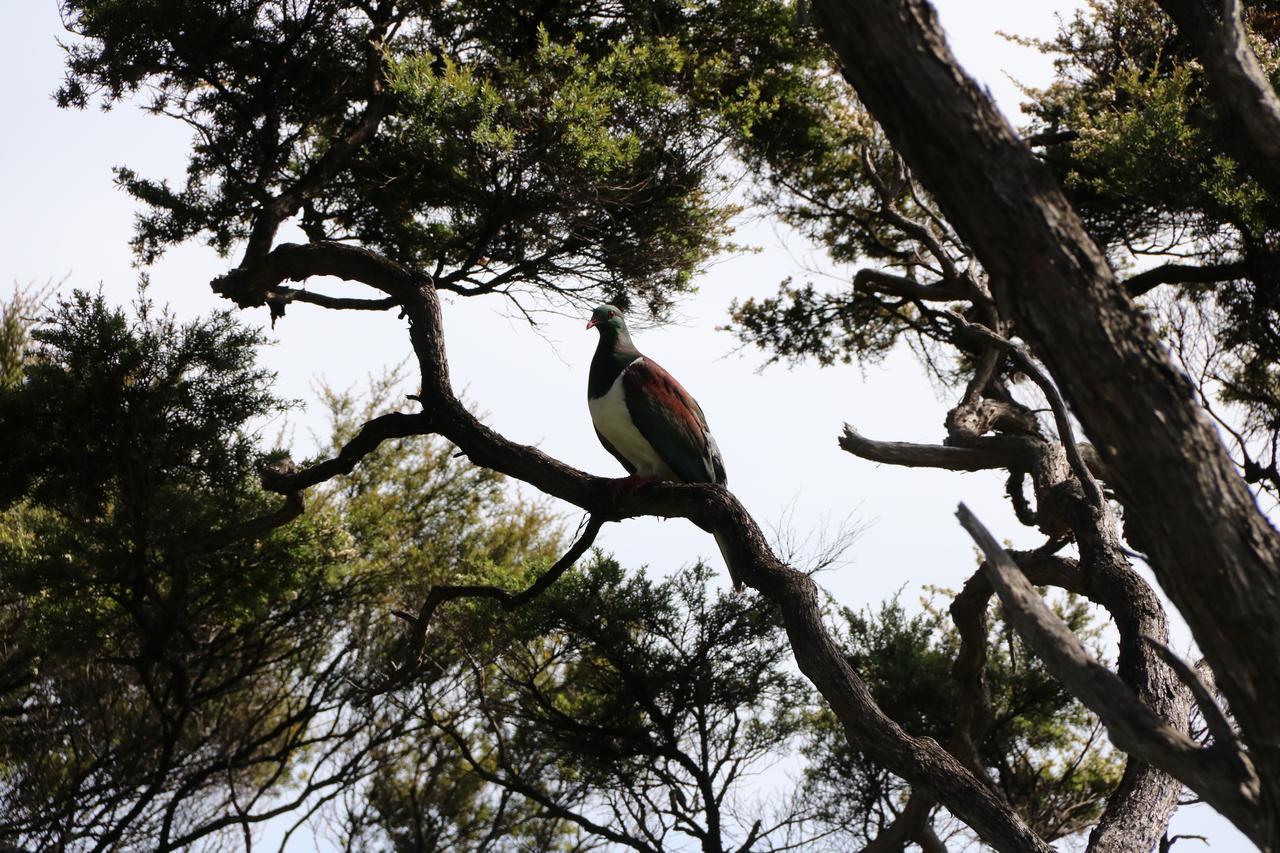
167, 663
571, 147
1043, 745
138, 613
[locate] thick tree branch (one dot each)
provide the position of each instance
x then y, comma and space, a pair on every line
1148, 280
990, 452
1225, 782
249, 286
879, 281
282, 296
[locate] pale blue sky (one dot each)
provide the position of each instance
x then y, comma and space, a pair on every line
61, 216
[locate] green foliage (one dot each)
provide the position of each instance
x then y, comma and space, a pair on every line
17, 318
804, 322
1145, 159
166, 657
136, 614
572, 147
635, 709
1044, 747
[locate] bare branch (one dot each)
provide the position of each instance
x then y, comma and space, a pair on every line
281, 296
989, 452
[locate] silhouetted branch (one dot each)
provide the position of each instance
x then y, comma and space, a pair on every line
509, 601
1147, 280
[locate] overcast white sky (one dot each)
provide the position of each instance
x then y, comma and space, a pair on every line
61, 216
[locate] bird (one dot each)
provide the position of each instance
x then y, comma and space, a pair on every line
644, 417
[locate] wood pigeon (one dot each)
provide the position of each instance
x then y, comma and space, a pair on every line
643, 416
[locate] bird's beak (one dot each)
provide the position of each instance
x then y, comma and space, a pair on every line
591, 324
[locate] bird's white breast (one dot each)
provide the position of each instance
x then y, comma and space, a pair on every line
610, 416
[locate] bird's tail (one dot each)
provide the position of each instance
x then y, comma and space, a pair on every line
728, 562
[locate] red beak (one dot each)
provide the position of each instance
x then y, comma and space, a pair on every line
591, 324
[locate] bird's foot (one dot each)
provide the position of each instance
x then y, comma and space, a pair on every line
623, 486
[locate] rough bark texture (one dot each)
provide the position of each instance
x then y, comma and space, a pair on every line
1213, 552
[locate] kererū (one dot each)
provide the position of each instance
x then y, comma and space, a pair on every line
644, 417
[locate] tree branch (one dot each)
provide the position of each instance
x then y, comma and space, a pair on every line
1147, 280
918, 760
987, 453
281, 296
1227, 783
372, 434
878, 281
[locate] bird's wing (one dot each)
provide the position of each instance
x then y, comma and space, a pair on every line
671, 420
626, 463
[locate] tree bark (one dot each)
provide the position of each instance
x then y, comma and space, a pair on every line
1212, 550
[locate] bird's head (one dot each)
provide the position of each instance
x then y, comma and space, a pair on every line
608, 319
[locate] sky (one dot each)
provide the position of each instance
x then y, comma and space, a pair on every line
62, 220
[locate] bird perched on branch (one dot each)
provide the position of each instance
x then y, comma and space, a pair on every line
644, 417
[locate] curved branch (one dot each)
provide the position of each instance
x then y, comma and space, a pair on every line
249, 286
372, 434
